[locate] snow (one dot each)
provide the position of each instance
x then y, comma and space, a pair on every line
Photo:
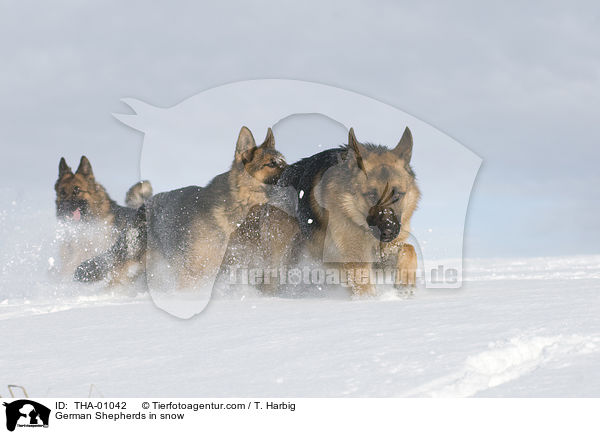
518, 327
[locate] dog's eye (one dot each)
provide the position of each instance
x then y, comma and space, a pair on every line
396, 195
373, 196
272, 164
76, 190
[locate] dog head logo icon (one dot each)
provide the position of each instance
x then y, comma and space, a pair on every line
26, 413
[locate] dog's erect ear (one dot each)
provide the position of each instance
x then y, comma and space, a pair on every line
85, 168
352, 142
269, 140
245, 147
63, 168
404, 147
356, 149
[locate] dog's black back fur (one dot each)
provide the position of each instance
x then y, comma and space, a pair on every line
124, 217
301, 176
168, 214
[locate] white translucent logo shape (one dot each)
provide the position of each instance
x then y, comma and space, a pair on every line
190, 143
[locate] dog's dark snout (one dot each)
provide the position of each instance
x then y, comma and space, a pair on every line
387, 232
389, 228
384, 223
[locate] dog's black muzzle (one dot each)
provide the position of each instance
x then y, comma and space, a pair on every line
384, 223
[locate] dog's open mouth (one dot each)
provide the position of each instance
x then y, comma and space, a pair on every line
76, 215
383, 223
72, 212
382, 219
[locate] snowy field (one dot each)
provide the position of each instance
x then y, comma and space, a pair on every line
518, 328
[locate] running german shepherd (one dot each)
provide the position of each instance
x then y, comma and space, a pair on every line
351, 206
89, 220
187, 229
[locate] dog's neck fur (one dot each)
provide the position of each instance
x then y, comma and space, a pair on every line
250, 190
103, 208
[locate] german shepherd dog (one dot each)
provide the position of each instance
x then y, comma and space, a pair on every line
351, 206
89, 220
188, 229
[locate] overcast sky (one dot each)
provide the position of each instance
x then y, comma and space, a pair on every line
518, 83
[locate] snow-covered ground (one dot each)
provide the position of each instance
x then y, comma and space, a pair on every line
519, 327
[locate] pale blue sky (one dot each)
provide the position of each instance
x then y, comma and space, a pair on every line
517, 83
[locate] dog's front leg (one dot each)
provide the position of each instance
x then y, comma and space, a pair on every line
406, 266
358, 275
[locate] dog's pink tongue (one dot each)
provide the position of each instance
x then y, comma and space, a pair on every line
76, 215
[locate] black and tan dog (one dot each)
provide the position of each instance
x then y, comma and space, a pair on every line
89, 220
187, 229
351, 206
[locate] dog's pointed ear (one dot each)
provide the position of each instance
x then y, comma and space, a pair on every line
63, 168
85, 168
356, 149
404, 147
352, 142
269, 140
245, 146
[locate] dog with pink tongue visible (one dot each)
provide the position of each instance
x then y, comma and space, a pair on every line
89, 221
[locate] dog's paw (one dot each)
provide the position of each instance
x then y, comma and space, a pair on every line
91, 270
